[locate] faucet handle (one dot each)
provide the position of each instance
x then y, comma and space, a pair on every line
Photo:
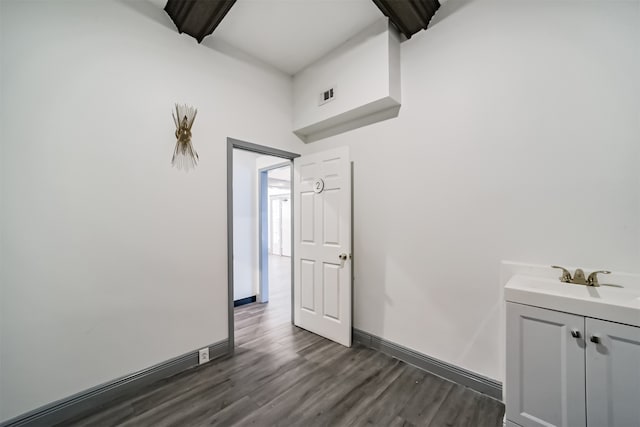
566, 275
592, 280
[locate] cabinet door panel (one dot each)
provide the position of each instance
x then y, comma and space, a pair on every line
613, 374
545, 382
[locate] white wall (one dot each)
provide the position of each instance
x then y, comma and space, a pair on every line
112, 261
518, 139
245, 224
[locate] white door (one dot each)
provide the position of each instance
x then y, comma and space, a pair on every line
613, 374
545, 367
322, 248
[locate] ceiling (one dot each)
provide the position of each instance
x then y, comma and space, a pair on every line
280, 178
291, 34
283, 173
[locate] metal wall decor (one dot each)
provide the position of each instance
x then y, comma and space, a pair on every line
184, 156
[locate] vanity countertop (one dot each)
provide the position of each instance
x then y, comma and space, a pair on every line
616, 304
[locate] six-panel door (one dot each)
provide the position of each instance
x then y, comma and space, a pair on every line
322, 236
613, 374
545, 367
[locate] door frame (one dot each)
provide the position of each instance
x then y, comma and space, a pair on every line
260, 149
264, 205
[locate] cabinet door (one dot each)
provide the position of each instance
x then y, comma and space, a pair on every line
545, 367
613, 374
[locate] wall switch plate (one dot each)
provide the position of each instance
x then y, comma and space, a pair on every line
203, 356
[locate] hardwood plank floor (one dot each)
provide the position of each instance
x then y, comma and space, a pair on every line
281, 375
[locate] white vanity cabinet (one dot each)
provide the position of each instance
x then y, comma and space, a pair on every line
568, 370
613, 374
545, 367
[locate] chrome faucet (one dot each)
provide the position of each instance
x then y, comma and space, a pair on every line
579, 278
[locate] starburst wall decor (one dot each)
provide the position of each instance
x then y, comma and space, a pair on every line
184, 156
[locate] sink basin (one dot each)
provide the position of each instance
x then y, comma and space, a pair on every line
616, 304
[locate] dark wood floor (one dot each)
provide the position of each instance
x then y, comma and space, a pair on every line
281, 375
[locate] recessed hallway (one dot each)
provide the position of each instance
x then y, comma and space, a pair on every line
281, 375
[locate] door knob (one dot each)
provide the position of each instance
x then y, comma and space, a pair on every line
595, 339
575, 333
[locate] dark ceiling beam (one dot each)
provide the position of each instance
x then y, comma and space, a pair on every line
198, 18
408, 16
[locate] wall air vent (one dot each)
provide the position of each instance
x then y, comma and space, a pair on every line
327, 95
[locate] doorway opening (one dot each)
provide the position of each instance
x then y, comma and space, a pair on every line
260, 245
274, 211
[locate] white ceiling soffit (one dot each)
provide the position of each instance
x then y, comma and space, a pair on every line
291, 34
